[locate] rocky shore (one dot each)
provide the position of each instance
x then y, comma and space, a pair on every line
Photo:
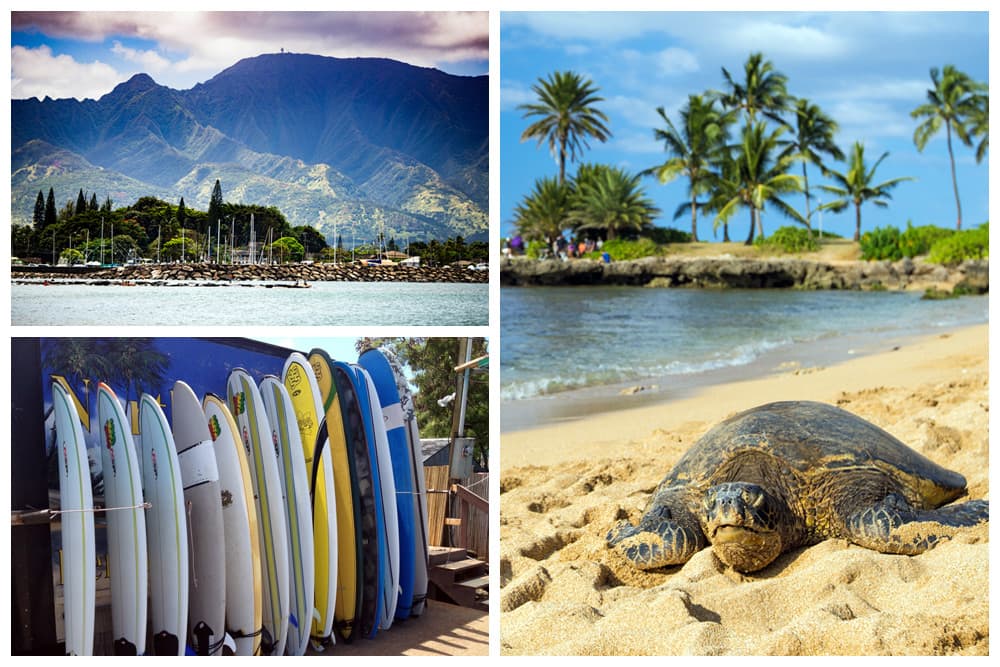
738, 272
238, 273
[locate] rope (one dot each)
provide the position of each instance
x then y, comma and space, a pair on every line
140, 506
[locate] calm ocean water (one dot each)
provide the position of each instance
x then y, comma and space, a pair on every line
325, 303
558, 339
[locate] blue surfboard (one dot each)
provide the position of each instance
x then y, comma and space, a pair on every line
382, 459
370, 498
382, 375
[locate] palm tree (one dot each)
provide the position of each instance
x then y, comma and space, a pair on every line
566, 116
979, 120
763, 90
139, 365
609, 200
951, 102
856, 186
814, 132
703, 133
80, 360
542, 214
758, 176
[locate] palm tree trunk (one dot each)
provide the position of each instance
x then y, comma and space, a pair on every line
857, 221
954, 178
725, 232
753, 225
694, 219
562, 158
805, 182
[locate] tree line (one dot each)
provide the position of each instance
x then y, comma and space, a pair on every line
736, 147
83, 230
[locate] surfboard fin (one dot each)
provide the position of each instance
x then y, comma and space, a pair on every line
165, 643
124, 647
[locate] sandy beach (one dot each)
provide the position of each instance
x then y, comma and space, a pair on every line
564, 485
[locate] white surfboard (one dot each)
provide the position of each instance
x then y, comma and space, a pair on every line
206, 536
298, 511
247, 408
239, 521
300, 381
390, 590
126, 525
76, 502
166, 530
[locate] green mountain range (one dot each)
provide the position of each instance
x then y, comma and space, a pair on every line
343, 145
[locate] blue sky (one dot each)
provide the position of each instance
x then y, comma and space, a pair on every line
866, 70
85, 54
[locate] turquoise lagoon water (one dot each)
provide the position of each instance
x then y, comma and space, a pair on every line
324, 303
583, 345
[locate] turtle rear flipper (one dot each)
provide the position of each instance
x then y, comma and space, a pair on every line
662, 537
893, 526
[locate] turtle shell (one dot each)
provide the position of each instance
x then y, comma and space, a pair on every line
807, 439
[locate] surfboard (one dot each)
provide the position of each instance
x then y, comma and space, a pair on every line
369, 495
239, 522
247, 408
206, 534
298, 511
166, 530
390, 514
346, 501
304, 393
381, 374
420, 533
76, 502
126, 525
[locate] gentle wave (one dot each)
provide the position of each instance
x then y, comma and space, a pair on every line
603, 374
556, 340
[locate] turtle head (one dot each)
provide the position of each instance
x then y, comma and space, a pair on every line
742, 523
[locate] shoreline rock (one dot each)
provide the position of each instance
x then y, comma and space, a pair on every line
972, 277
236, 273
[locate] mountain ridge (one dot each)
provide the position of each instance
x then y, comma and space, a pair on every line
400, 141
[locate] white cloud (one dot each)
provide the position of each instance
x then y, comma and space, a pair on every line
149, 61
677, 61
37, 72
600, 27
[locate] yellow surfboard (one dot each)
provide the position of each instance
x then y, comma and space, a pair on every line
307, 401
348, 591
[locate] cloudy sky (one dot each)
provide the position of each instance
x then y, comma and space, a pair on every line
866, 70
85, 54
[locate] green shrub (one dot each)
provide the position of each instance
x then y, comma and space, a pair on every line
788, 239
536, 249
881, 243
918, 240
624, 249
960, 246
664, 235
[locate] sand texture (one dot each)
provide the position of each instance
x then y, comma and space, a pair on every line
564, 592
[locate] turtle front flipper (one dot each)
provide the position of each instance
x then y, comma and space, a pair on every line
667, 534
893, 526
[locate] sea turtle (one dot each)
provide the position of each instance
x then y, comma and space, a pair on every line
790, 474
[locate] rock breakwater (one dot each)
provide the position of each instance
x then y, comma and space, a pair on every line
738, 272
237, 273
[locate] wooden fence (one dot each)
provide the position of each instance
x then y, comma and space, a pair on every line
441, 504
